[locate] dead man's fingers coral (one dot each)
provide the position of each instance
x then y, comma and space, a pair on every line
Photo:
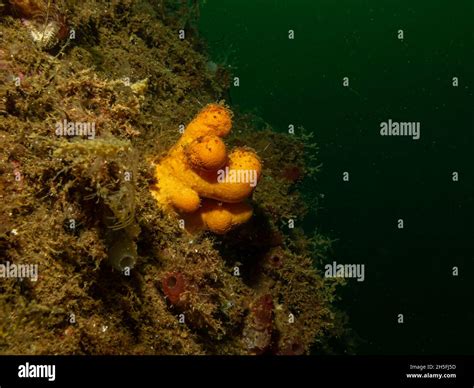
198, 166
206, 153
213, 119
218, 217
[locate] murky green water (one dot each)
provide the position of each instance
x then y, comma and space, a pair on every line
409, 271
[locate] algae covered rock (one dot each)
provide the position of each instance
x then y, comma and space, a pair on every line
84, 124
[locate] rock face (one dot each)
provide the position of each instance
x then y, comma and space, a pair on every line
116, 272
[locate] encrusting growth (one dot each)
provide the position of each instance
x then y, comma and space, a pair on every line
79, 205
201, 181
219, 217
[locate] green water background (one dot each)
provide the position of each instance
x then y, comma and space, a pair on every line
299, 82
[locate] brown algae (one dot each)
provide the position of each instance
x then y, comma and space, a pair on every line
82, 122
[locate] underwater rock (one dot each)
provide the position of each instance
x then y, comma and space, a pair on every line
28, 8
257, 333
198, 167
45, 23
275, 258
130, 75
104, 170
289, 340
292, 173
290, 347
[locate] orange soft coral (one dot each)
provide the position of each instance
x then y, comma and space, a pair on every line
206, 153
219, 217
198, 166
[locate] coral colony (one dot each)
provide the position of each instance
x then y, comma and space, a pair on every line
193, 169
133, 233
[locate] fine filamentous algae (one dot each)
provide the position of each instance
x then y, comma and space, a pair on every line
236, 177
142, 212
